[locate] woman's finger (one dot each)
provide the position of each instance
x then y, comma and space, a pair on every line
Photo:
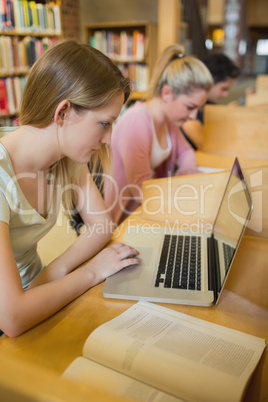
124, 251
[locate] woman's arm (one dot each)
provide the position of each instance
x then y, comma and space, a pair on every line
186, 159
97, 231
20, 310
194, 130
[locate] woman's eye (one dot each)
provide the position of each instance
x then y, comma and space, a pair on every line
105, 124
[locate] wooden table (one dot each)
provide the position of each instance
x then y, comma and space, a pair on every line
56, 342
244, 306
215, 160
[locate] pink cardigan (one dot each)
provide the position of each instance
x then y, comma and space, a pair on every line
131, 148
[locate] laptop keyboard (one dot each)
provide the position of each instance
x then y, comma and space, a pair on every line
180, 263
228, 253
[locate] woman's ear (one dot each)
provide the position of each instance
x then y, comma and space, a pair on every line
60, 112
166, 93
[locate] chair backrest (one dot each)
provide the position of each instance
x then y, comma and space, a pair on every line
260, 96
262, 83
257, 99
236, 131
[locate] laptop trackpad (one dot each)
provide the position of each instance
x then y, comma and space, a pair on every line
145, 254
133, 272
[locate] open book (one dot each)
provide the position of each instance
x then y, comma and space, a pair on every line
152, 353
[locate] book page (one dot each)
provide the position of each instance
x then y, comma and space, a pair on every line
171, 351
100, 377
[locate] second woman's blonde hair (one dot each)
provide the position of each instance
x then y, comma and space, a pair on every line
182, 73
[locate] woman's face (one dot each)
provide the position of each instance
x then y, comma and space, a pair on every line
183, 107
83, 134
221, 90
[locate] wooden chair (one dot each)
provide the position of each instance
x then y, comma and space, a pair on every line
257, 99
260, 96
262, 83
236, 131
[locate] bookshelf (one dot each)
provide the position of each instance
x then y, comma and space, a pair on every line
27, 29
132, 45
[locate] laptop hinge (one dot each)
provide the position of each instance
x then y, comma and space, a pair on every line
214, 280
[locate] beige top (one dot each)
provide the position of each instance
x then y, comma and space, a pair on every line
26, 225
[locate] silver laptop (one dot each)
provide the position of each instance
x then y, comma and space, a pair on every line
186, 268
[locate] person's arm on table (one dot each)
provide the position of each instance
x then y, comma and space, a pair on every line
97, 231
186, 159
59, 283
27, 308
194, 130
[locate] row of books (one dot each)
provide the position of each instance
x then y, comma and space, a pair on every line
18, 54
138, 74
121, 46
30, 16
9, 122
11, 90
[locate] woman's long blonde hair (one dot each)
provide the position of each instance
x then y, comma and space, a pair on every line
84, 76
182, 73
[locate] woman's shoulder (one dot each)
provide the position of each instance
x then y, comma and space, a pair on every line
138, 109
135, 118
133, 128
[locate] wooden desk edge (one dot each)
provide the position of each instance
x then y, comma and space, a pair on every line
20, 380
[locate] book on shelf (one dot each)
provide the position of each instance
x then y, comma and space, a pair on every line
33, 14
3, 99
153, 353
138, 74
9, 122
123, 46
18, 54
3, 13
18, 86
139, 54
5, 43
30, 16
10, 96
11, 89
57, 18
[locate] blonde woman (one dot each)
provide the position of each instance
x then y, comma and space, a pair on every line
147, 141
72, 97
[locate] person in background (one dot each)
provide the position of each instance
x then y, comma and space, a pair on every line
72, 97
224, 73
147, 141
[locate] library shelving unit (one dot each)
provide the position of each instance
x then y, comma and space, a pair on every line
27, 29
132, 45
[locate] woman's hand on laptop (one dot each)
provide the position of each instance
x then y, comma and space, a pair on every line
111, 260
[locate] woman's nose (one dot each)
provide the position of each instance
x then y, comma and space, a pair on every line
106, 139
193, 114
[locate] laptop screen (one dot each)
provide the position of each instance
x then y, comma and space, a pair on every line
231, 220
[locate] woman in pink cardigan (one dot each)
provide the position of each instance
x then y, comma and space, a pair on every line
147, 141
